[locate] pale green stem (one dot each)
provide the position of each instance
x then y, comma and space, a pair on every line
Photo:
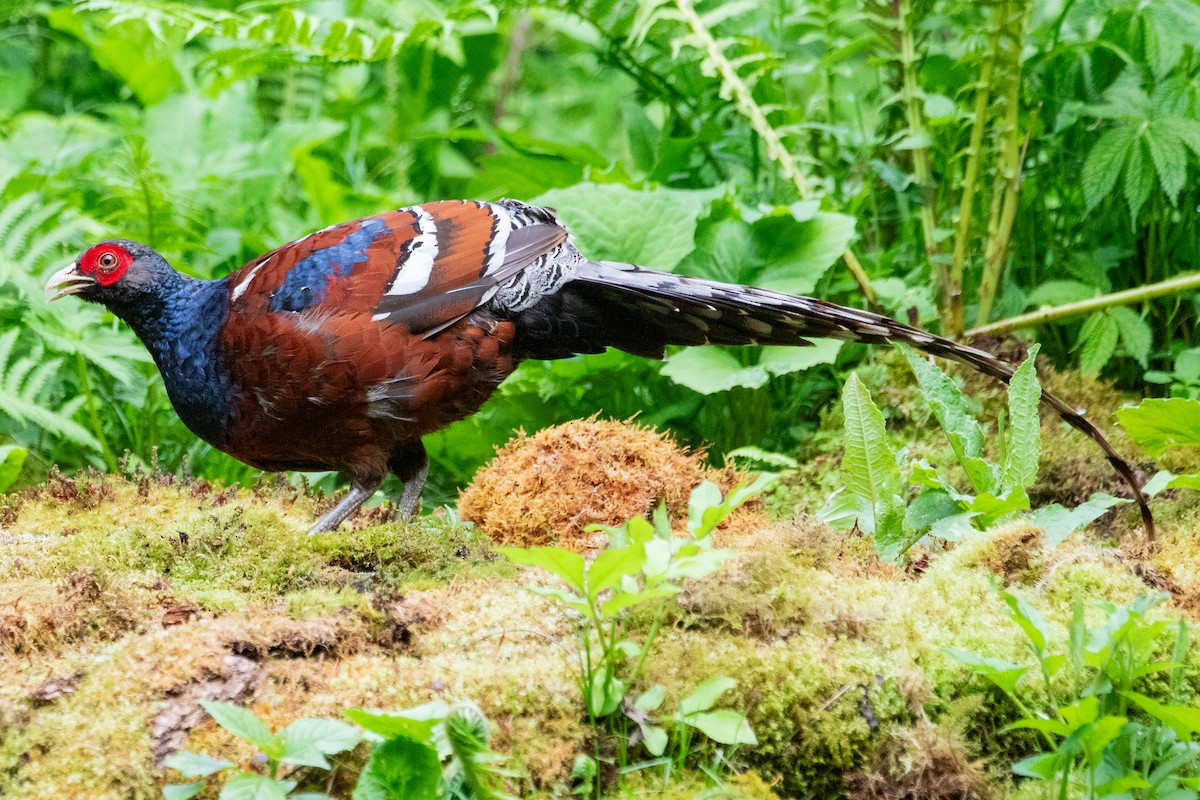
1176, 285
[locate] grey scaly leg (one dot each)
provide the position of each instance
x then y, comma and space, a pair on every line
345, 508
411, 465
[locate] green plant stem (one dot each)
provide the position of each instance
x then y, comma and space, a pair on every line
1176, 285
659, 616
983, 95
748, 107
915, 118
110, 460
1011, 150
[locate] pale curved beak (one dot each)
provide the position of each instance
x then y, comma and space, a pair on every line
68, 280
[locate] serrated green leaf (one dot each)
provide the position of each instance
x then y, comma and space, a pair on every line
1025, 427
1170, 160
655, 228
784, 360
566, 564
929, 507
308, 741
796, 252
401, 769
1135, 333
950, 408
244, 724
869, 469
709, 370
195, 765
610, 566
1139, 178
1099, 341
1158, 425
416, 723
1104, 164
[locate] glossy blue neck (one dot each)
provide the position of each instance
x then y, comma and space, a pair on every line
180, 324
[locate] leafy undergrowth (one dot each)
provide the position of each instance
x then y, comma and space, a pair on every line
124, 601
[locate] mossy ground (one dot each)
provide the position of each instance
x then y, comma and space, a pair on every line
123, 600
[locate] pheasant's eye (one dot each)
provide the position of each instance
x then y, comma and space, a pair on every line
107, 261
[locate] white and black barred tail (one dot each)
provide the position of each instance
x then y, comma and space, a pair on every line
641, 311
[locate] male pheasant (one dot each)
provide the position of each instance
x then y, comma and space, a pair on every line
340, 350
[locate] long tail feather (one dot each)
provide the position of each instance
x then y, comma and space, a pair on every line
642, 310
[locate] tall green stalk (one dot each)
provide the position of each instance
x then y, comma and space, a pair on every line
1010, 150
962, 235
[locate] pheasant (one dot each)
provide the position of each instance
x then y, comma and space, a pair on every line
340, 350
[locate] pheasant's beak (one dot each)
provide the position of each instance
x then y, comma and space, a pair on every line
68, 280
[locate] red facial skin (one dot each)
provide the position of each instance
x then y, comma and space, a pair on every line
106, 263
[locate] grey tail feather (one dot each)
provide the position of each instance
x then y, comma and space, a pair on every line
691, 311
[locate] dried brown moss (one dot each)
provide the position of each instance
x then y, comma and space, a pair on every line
547, 488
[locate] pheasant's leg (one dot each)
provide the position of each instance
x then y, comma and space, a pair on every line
411, 465
345, 507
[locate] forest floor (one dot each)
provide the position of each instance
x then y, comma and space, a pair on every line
126, 599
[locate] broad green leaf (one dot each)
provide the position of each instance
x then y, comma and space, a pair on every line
183, 791
783, 360
869, 469
954, 528
12, 459
654, 228
1025, 427
929, 507
1135, 333
606, 693
243, 724
725, 727
577, 602
414, 723
709, 370
327, 735
255, 787
950, 407
1104, 163
1158, 425
623, 600
652, 698
892, 540
607, 569
559, 561
401, 769
1184, 720
704, 696
1004, 674
1058, 522
1031, 621
656, 739
1099, 341
797, 252
1043, 765
990, 509
195, 765
1053, 726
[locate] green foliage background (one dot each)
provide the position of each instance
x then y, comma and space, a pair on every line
217, 130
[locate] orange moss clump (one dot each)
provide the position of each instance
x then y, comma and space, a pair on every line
547, 488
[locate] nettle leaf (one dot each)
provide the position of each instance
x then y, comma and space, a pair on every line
784, 360
869, 468
308, 741
1025, 434
1104, 163
559, 561
400, 769
1099, 339
1170, 160
1161, 424
709, 370
414, 723
1135, 333
1139, 178
243, 724
654, 228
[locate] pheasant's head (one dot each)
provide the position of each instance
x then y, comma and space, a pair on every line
116, 273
